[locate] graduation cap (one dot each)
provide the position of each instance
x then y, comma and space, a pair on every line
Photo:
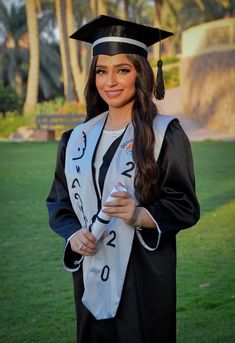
111, 36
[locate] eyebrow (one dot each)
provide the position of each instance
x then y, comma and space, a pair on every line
115, 65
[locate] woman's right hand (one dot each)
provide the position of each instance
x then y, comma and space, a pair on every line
83, 242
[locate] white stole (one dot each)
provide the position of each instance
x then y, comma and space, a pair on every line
104, 272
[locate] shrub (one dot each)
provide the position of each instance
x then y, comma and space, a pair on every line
170, 70
171, 77
9, 99
166, 61
11, 122
59, 106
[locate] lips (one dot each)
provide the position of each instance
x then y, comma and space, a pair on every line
113, 93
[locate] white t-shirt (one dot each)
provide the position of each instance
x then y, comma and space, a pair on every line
107, 138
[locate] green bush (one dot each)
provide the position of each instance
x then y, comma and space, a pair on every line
9, 99
170, 59
11, 121
171, 77
170, 70
59, 106
166, 60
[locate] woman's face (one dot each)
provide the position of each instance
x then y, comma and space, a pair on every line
115, 80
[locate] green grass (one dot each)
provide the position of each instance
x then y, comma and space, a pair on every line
36, 293
206, 254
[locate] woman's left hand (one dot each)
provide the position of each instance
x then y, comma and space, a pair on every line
123, 206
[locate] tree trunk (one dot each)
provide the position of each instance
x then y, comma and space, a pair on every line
33, 74
78, 73
126, 8
60, 7
98, 7
102, 7
93, 7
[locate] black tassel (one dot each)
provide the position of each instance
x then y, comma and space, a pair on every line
160, 87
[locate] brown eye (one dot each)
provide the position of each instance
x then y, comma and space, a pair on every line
100, 71
123, 71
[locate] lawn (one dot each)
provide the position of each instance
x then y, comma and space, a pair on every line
36, 293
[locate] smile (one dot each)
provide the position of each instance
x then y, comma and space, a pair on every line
113, 94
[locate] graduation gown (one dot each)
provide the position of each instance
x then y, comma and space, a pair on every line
147, 311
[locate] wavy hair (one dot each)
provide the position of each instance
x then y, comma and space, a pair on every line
143, 113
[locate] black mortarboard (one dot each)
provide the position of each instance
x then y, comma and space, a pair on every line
111, 36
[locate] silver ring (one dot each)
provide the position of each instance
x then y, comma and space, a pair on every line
81, 246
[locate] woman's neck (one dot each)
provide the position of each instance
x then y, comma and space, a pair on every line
118, 118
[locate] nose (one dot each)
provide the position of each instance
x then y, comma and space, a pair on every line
111, 79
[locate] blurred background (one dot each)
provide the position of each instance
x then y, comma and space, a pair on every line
42, 71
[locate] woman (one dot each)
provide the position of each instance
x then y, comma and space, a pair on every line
124, 282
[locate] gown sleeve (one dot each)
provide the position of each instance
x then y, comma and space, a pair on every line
62, 218
177, 207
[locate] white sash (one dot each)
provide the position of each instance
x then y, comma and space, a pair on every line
104, 272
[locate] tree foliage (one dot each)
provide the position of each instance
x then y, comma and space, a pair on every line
183, 14
9, 99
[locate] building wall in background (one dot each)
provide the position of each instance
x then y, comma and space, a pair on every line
207, 74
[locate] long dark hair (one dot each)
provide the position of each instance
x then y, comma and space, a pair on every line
143, 113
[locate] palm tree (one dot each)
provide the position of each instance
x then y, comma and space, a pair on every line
50, 84
126, 9
32, 7
102, 7
12, 49
60, 6
79, 72
98, 7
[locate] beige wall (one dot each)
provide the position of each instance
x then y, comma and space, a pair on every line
207, 74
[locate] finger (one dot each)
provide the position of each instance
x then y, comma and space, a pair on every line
123, 204
89, 240
118, 214
117, 210
88, 244
120, 202
89, 236
124, 195
80, 240
84, 253
84, 250
86, 237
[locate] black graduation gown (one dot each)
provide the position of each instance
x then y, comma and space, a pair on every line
147, 310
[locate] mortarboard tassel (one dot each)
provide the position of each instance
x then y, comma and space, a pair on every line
160, 87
